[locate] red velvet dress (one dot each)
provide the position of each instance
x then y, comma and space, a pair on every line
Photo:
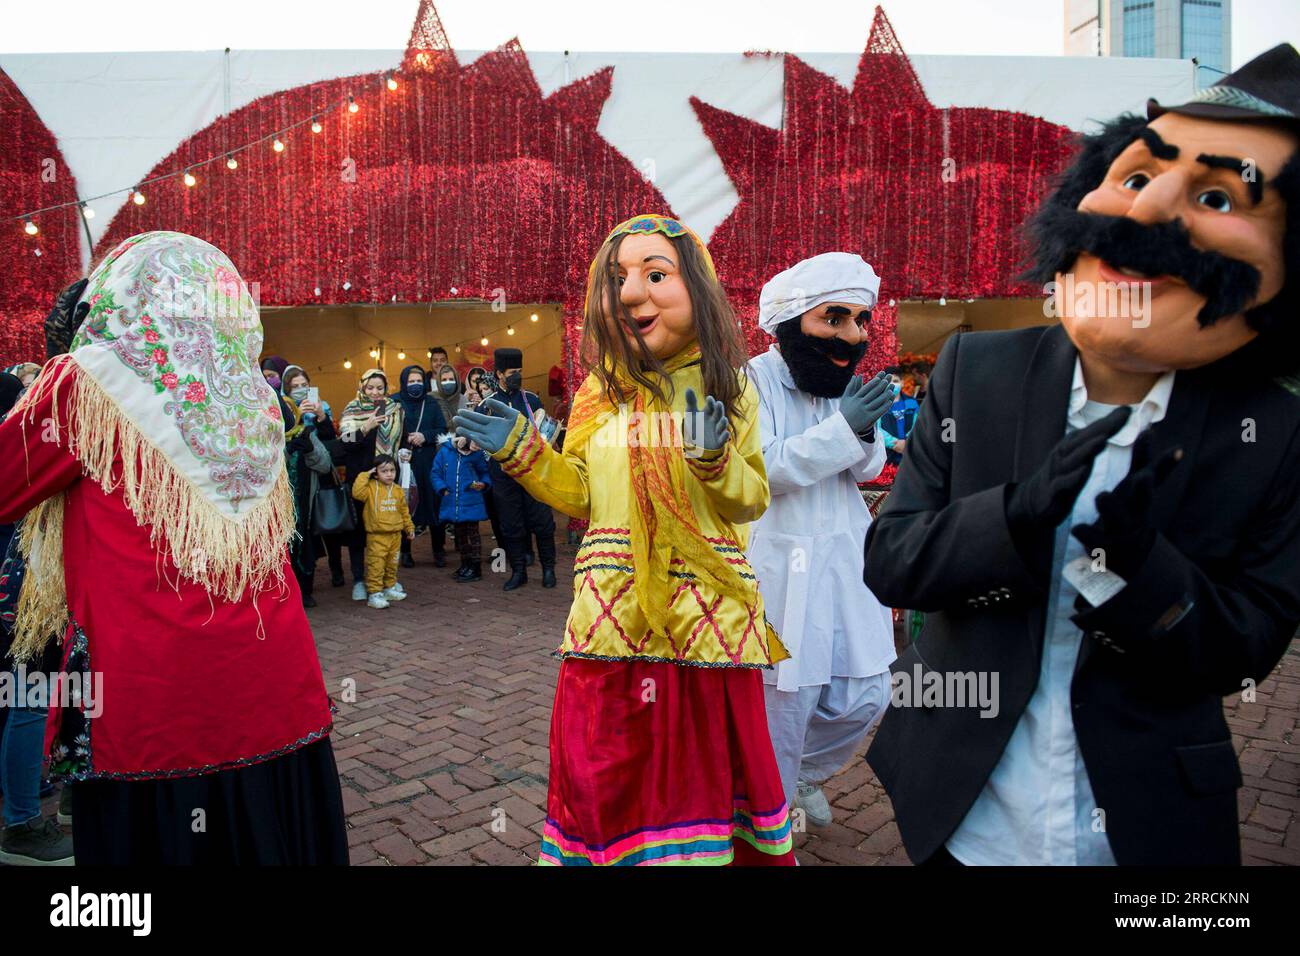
192, 686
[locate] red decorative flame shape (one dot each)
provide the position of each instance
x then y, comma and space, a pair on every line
932, 198
33, 175
463, 177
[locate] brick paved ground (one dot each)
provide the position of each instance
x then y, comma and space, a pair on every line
442, 749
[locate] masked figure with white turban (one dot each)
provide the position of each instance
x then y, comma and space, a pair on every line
819, 435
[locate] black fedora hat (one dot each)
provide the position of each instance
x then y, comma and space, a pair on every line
1268, 87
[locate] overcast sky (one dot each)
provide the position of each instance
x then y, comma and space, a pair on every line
1031, 27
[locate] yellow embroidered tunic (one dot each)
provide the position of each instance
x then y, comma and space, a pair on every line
727, 491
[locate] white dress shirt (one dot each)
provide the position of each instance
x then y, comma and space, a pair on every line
806, 549
1037, 808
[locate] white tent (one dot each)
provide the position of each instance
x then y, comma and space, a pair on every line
116, 115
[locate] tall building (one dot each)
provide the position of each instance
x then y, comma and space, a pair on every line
1176, 29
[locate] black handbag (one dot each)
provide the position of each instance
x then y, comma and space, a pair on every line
333, 512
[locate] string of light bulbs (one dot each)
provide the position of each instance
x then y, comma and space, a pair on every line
186, 173
376, 350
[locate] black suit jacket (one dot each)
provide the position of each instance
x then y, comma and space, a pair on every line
1213, 607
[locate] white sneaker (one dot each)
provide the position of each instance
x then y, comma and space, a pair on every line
395, 593
359, 591
398, 588
813, 802
377, 600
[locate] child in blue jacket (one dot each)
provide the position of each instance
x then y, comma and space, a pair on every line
459, 477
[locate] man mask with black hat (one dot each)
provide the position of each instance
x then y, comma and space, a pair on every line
1061, 511
522, 516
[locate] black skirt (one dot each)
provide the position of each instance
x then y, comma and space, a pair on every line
288, 810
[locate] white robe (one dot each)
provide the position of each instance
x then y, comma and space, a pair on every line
806, 549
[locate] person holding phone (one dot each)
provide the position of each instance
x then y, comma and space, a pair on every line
371, 425
308, 428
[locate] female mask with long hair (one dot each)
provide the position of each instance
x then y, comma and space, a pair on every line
616, 341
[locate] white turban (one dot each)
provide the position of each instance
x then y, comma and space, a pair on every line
830, 277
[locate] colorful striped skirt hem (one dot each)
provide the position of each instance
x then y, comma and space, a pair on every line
697, 843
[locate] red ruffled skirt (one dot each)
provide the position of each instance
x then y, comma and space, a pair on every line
658, 763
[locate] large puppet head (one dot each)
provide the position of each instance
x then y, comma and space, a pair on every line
651, 293
819, 310
1175, 240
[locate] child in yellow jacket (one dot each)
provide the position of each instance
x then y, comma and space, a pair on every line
385, 518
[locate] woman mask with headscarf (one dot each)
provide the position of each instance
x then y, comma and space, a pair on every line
160, 515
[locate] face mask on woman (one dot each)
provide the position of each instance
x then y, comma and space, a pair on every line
448, 388
299, 394
415, 389
272, 379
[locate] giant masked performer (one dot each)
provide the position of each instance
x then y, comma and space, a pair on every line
1105, 513
149, 461
819, 434
659, 746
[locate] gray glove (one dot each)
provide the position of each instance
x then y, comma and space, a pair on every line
863, 402
490, 431
707, 429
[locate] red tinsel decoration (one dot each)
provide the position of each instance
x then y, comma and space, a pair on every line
932, 198
466, 178
463, 178
33, 175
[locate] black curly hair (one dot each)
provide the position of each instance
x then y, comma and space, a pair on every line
1278, 320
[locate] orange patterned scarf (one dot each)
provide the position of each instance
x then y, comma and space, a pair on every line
662, 520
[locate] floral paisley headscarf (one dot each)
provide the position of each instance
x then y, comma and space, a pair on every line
389, 439
168, 384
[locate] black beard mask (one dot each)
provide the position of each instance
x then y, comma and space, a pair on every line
1163, 248
809, 359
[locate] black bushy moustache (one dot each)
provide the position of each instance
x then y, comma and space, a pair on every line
1163, 248
808, 358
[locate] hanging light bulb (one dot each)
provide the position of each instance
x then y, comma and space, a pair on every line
138, 198
189, 179
87, 211
483, 341
278, 145
232, 163
352, 105
30, 228
510, 330
942, 300
428, 353
392, 83
315, 125
533, 317
401, 356
347, 363
457, 349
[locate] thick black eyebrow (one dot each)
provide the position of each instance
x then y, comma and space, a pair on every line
841, 310
1237, 165
1158, 147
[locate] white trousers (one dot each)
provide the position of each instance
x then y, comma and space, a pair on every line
816, 729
